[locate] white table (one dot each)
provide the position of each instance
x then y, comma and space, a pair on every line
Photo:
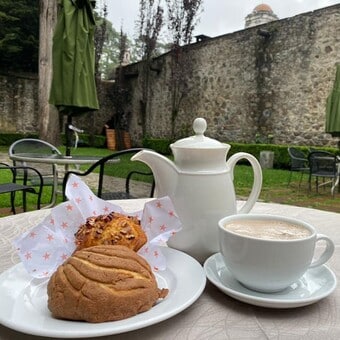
215, 315
56, 159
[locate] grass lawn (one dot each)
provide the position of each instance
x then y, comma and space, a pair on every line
274, 188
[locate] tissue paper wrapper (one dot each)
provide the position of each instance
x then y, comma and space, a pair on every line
46, 246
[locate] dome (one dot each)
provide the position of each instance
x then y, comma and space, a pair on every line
261, 14
263, 8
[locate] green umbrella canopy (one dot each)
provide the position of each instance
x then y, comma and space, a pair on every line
333, 107
73, 88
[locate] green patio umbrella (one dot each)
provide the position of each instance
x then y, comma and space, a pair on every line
333, 107
73, 89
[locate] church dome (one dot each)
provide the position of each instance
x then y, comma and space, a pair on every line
260, 15
263, 8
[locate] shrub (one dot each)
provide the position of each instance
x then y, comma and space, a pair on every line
281, 156
97, 141
159, 145
9, 138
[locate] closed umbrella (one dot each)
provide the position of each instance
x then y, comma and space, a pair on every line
73, 89
333, 107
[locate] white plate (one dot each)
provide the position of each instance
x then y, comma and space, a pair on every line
24, 301
316, 284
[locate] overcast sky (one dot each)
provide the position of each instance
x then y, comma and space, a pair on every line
218, 16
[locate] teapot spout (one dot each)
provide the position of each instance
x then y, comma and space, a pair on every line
164, 171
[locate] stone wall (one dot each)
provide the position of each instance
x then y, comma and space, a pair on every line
268, 80
19, 106
272, 79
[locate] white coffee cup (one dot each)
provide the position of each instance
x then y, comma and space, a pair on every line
270, 265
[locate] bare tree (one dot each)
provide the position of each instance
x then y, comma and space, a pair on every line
182, 19
48, 114
123, 46
181, 23
150, 24
100, 38
120, 94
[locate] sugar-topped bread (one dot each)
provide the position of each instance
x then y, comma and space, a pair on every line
110, 229
103, 283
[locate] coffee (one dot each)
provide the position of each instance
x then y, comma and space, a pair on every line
278, 252
268, 229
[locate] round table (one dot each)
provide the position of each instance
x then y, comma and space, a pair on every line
215, 315
56, 159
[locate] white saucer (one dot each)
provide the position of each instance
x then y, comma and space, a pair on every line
24, 301
316, 284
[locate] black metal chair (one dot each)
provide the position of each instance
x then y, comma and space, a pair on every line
298, 163
325, 165
109, 172
36, 148
23, 185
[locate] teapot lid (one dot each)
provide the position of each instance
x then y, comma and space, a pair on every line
199, 141
200, 153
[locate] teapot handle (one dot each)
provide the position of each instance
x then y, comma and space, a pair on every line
257, 184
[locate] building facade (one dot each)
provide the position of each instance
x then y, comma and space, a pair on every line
261, 14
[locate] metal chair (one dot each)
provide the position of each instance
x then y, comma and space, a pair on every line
12, 187
36, 148
298, 163
325, 165
110, 172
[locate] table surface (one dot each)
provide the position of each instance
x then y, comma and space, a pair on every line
215, 315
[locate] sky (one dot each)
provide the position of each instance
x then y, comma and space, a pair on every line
218, 17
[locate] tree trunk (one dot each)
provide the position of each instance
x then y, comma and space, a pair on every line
48, 115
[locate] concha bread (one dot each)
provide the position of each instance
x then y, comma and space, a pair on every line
102, 283
110, 229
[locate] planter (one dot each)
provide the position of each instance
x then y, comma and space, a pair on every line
266, 159
126, 140
111, 139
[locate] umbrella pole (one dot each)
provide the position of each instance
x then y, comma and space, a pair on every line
68, 135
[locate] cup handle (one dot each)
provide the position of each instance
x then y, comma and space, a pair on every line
327, 253
257, 184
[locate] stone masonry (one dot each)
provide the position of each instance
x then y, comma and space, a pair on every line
268, 80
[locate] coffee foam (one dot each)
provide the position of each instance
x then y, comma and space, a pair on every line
268, 229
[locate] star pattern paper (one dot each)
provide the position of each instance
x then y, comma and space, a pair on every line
43, 248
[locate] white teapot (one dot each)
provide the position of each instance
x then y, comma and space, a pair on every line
200, 184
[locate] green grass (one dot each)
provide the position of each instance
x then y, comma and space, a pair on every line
274, 188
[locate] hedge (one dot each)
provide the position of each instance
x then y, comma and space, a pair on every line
158, 144
9, 138
161, 145
85, 139
281, 156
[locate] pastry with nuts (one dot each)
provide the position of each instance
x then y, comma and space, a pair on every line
111, 229
103, 283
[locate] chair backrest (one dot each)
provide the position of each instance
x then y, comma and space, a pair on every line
109, 178
30, 177
322, 163
298, 159
35, 147
32, 145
